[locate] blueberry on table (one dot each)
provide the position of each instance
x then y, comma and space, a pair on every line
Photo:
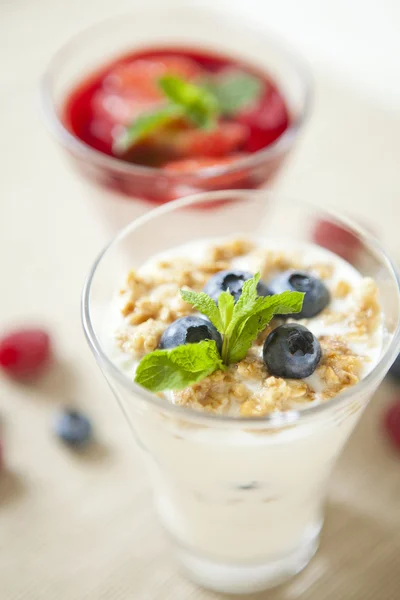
394, 370
189, 330
291, 351
251, 485
317, 296
72, 427
232, 281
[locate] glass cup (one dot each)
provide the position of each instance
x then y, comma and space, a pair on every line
177, 26
242, 499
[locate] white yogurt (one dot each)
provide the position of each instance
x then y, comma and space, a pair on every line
245, 506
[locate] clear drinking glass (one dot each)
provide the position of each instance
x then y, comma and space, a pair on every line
158, 25
242, 499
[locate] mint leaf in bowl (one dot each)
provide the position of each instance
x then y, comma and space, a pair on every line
205, 305
145, 125
246, 326
198, 103
234, 90
177, 368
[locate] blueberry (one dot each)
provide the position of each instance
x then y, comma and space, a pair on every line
72, 427
232, 280
317, 295
394, 370
291, 351
251, 485
189, 330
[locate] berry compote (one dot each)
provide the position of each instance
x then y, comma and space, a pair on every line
193, 117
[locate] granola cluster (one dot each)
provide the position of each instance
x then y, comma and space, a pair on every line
276, 394
366, 317
340, 368
151, 300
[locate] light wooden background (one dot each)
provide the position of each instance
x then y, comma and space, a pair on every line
83, 528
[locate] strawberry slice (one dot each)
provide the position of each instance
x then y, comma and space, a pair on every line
120, 109
222, 140
194, 143
188, 165
140, 77
267, 120
130, 89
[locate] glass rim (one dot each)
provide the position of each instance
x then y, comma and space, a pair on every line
84, 151
272, 420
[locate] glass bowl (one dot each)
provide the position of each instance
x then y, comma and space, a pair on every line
242, 499
186, 27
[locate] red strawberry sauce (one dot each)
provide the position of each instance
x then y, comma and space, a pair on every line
113, 96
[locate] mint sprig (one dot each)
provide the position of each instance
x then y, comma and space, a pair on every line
145, 125
234, 89
198, 104
177, 368
201, 103
239, 325
205, 305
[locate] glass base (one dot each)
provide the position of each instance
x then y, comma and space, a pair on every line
246, 579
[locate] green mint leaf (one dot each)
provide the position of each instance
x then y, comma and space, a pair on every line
241, 323
285, 303
145, 125
249, 325
247, 302
235, 90
198, 103
226, 304
179, 367
205, 305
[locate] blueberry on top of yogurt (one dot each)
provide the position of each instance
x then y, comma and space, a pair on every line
232, 281
291, 351
317, 296
189, 330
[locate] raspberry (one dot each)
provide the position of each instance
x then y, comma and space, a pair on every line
25, 353
339, 240
392, 423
